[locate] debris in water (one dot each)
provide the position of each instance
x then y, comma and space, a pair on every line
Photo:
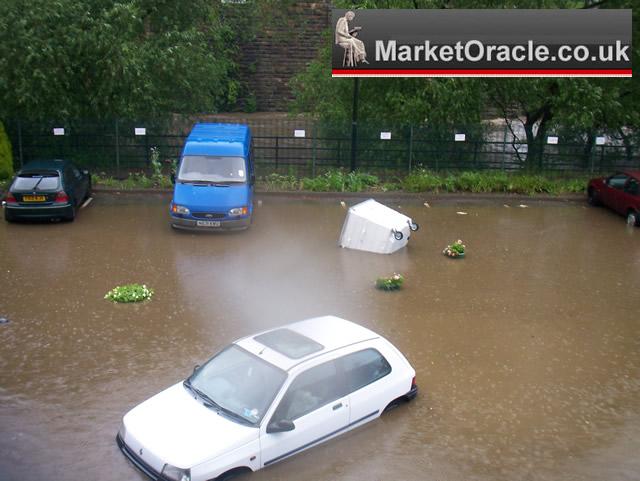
344, 206
4, 320
507, 206
461, 213
426, 204
523, 206
391, 283
374, 227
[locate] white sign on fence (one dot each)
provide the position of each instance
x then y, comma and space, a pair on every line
460, 137
58, 131
385, 135
552, 139
140, 130
299, 133
600, 140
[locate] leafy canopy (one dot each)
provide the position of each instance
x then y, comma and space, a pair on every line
99, 59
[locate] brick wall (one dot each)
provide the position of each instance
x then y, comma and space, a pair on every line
289, 41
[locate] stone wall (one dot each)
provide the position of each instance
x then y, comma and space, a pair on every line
285, 46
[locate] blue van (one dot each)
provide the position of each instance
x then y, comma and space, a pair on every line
214, 179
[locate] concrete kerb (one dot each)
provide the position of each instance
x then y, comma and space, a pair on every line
420, 197
383, 196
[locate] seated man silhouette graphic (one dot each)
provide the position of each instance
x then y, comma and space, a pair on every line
354, 51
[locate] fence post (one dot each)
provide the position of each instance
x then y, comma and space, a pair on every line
354, 124
410, 146
117, 150
313, 151
475, 154
541, 155
20, 142
277, 154
146, 150
504, 147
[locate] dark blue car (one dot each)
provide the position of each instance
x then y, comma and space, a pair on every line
214, 181
47, 189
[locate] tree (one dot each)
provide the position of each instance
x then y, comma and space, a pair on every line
6, 158
98, 59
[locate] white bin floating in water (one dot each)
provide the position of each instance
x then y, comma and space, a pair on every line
371, 226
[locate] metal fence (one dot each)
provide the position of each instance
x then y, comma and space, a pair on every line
304, 147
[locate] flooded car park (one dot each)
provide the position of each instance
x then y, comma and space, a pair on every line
527, 351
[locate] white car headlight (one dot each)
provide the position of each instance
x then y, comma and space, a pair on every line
239, 211
179, 209
175, 474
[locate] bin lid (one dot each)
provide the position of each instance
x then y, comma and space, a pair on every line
378, 213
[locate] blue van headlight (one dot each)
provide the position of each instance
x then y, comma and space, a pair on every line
239, 211
179, 209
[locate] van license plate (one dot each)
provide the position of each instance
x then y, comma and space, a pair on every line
208, 223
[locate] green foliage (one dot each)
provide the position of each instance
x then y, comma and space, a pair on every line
340, 181
421, 180
135, 180
156, 166
278, 182
391, 283
6, 158
251, 104
134, 58
442, 102
129, 293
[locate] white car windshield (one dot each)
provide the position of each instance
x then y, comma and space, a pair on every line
212, 169
238, 383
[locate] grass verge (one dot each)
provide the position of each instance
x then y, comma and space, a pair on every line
420, 180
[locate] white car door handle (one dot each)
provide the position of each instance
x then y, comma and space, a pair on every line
337, 406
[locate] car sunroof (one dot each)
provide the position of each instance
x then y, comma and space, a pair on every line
290, 343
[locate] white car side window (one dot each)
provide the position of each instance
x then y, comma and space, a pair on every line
310, 390
364, 367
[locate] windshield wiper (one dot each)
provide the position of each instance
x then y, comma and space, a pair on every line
210, 403
38, 183
199, 393
215, 183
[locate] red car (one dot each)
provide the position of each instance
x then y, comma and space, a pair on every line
620, 192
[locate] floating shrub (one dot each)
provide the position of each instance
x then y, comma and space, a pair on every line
129, 293
390, 283
455, 250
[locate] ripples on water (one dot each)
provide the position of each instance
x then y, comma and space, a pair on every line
527, 351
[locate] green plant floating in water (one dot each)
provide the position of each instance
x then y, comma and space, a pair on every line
129, 293
390, 283
455, 250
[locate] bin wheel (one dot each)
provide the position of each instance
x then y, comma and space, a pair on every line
413, 226
398, 235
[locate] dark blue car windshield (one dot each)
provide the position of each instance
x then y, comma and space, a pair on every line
36, 181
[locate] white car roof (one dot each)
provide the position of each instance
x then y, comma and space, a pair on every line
330, 332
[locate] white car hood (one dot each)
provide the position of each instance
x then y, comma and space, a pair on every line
181, 431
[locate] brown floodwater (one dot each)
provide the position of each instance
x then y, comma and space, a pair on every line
527, 351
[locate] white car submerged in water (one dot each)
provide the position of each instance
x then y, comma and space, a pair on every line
264, 398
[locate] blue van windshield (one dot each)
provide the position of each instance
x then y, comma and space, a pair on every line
207, 168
